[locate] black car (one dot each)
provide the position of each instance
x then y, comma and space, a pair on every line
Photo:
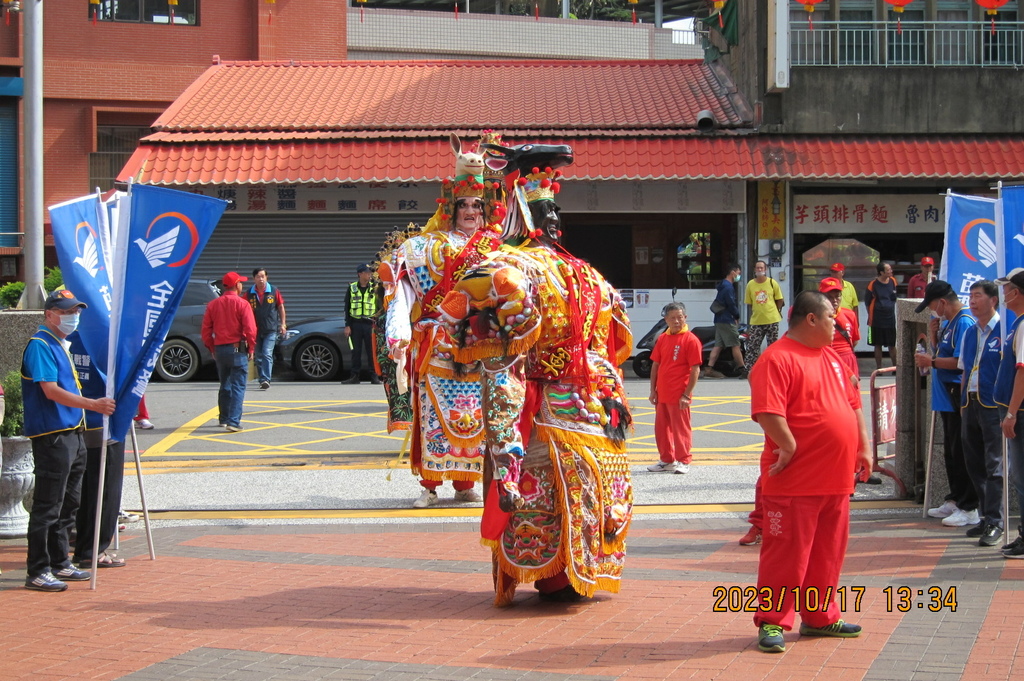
183, 352
316, 349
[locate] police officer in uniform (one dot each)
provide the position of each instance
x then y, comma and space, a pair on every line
361, 304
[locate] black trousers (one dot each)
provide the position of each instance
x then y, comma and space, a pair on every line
961, 489
983, 454
113, 482
362, 340
60, 465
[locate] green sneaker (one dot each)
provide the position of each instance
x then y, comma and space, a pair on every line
838, 629
769, 639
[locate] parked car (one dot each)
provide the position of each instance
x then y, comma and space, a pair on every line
183, 352
316, 348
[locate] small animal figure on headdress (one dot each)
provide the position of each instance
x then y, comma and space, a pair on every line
466, 163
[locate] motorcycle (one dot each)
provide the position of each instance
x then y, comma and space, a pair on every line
706, 335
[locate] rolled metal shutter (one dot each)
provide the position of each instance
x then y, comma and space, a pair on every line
311, 257
9, 171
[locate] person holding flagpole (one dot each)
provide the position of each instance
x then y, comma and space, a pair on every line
229, 333
55, 422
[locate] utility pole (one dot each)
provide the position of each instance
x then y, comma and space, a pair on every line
32, 174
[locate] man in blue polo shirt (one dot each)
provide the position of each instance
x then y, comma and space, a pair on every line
55, 422
960, 507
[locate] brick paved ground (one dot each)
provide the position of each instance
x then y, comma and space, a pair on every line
413, 601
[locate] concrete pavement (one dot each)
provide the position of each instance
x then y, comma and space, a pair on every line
283, 553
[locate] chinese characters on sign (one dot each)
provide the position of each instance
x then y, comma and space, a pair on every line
861, 212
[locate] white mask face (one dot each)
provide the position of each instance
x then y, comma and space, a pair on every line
68, 324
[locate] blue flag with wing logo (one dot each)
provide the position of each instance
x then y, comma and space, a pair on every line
80, 233
161, 235
1011, 219
972, 251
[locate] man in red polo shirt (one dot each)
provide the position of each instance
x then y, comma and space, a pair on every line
803, 397
920, 281
229, 333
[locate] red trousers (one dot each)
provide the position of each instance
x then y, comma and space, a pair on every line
459, 485
802, 552
756, 517
672, 432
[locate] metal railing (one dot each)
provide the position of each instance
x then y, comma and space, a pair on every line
381, 33
915, 43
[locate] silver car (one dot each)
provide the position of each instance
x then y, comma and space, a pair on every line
316, 349
183, 352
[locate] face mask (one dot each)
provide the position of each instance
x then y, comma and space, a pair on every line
68, 324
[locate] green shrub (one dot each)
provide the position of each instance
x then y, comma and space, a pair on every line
10, 294
14, 412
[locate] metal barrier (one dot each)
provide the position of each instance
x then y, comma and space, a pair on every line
883, 425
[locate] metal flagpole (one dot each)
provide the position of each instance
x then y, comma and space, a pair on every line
928, 464
142, 494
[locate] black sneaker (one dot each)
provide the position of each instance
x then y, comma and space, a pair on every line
73, 574
993, 535
1014, 550
769, 639
977, 530
45, 582
1019, 541
839, 629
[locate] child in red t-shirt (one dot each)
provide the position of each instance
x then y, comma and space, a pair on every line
676, 361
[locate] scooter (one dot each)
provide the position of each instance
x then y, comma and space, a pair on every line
706, 335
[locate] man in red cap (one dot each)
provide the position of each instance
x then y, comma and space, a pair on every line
229, 333
849, 300
918, 282
847, 330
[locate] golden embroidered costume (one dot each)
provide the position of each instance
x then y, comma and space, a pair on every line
447, 438
551, 333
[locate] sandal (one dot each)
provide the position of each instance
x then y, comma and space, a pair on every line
110, 561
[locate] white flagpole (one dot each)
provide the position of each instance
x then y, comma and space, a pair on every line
142, 494
104, 229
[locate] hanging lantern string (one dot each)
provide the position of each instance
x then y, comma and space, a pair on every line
94, 6
719, 4
270, 12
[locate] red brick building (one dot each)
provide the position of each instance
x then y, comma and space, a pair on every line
106, 81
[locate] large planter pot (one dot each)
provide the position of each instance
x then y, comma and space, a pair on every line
17, 481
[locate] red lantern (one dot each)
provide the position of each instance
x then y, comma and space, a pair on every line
897, 6
719, 4
991, 9
809, 6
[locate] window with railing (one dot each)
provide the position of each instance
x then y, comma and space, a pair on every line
114, 146
184, 12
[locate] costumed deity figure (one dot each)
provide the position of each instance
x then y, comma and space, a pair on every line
396, 385
447, 436
551, 333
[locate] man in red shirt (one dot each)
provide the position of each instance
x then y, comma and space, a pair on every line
674, 373
803, 397
920, 281
229, 333
847, 328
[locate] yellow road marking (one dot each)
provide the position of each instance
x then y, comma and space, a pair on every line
472, 512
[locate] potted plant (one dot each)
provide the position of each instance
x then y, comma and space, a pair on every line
17, 479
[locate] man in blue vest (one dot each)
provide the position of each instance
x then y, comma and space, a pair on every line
268, 309
981, 435
1010, 397
55, 422
960, 507
360, 309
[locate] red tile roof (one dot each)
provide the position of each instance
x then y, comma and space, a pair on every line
262, 122
437, 95
193, 161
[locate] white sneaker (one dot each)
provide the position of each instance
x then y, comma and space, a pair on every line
961, 518
662, 467
145, 424
682, 468
428, 498
947, 509
467, 496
